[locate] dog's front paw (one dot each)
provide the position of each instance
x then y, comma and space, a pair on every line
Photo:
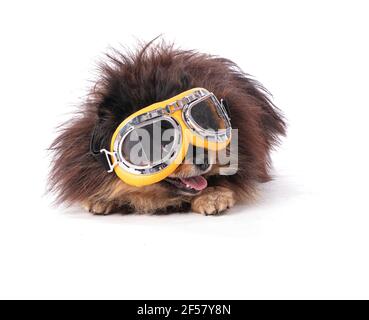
213, 200
98, 207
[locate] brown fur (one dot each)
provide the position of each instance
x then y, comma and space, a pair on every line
129, 82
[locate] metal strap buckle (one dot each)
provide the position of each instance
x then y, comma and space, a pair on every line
109, 154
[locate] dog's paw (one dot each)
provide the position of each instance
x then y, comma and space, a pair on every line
213, 200
98, 207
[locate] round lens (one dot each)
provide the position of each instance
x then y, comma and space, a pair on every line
149, 144
207, 115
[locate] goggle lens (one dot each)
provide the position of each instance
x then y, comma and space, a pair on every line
149, 144
208, 115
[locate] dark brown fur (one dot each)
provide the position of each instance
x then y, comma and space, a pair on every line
131, 81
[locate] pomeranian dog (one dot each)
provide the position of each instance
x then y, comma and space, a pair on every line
129, 82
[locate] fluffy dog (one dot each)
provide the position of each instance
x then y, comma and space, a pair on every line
131, 81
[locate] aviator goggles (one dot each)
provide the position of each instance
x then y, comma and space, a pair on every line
150, 144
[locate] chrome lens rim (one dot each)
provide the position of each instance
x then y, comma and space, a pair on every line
151, 167
220, 135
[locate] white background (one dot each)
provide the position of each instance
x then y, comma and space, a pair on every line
307, 236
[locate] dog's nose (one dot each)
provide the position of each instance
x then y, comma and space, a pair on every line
200, 158
203, 166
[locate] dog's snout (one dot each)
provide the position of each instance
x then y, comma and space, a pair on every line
204, 166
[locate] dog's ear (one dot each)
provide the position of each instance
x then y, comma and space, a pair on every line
271, 118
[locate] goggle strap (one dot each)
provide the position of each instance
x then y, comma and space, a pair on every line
225, 105
101, 155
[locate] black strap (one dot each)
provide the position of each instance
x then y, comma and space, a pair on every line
226, 106
95, 150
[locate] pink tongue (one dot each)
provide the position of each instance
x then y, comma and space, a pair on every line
197, 183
